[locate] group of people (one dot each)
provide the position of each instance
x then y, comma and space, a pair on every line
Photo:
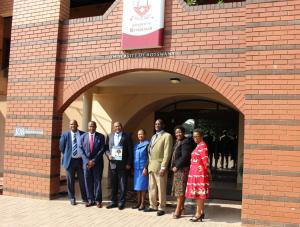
222, 147
150, 161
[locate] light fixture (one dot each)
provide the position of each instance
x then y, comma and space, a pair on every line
175, 80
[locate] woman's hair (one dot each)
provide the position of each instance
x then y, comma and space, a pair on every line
143, 130
199, 131
182, 129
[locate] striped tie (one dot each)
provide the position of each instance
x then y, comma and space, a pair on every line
74, 148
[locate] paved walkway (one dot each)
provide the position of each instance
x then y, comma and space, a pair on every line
16, 212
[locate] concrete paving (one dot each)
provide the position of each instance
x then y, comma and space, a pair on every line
15, 212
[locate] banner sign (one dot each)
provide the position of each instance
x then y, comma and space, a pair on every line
143, 24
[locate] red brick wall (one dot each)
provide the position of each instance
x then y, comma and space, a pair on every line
32, 164
190, 31
272, 153
249, 52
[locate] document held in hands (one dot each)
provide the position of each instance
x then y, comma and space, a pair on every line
116, 153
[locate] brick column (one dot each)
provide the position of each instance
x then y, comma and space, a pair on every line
271, 188
32, 162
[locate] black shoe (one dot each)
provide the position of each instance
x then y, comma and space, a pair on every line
149, 209
136, 206
141, 208
121, 206
112, 205
160, 213
73, 202
196, 219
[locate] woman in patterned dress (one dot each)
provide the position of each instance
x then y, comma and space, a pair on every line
198, 180
180, 165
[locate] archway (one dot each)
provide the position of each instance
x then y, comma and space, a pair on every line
115, 68
114, 88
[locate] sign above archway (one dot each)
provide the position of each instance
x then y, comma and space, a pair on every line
143, 24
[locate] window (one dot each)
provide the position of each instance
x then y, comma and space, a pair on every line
207, 2
7, 21
89, 8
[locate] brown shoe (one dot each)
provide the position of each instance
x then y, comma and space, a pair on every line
89, 204
99, 205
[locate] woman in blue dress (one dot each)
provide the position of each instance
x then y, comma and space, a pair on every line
140, 169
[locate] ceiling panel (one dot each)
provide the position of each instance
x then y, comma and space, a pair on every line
78, 3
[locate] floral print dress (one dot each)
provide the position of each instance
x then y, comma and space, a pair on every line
198, 180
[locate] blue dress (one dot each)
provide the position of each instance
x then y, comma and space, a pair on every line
140, 160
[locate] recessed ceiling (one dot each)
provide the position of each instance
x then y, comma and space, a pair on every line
78, 3
145, 78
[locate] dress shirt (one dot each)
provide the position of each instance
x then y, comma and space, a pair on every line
157, 135
117, 138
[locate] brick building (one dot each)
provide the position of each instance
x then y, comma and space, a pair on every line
66, 61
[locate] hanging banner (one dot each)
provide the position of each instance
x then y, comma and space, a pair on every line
143, 24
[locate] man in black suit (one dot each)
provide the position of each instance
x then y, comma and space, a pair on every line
120, 155
208, 139
72, 160
93, 148
224, 148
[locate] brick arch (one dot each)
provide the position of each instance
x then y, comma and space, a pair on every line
118, 67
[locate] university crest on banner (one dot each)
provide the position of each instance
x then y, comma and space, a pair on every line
141, 10
143, 24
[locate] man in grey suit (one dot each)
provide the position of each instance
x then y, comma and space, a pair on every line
159, 153
72, 160
120, 155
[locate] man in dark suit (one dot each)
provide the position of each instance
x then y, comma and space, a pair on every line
224, 148
93, 147
209, 141
120, 155
72, 160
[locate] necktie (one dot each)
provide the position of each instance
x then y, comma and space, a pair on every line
156, 136
153, 140
91, 143
74, 147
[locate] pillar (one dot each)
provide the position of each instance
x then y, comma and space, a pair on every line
32, 158
240, 161
87, 109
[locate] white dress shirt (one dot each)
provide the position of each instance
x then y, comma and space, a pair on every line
117, 138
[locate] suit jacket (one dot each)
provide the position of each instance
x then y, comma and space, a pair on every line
127, 155
159, 152
65, 146
182, 154
98, 149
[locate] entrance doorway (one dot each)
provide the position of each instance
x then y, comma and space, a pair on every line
136, 98
221, 124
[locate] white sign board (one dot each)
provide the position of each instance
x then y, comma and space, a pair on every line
143, 24
21, 132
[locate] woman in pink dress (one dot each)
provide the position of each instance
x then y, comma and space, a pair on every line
198, 180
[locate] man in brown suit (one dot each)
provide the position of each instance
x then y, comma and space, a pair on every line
159, 153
